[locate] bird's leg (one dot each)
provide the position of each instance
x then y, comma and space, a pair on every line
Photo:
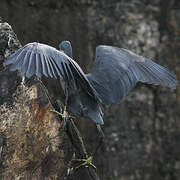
101, 139
80, 150
88, 161
100, 130
85, 162
64, 115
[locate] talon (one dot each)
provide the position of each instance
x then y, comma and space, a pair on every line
63, 115
60, 114
86, 162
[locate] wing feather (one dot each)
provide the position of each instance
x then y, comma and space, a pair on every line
116, 71
57, 68
39, 68
13, 57
52, 70
31, 66
69, 71
47, 64
25, 63
18, 61
65, 72
40, 59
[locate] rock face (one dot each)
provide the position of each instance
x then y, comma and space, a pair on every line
142, 132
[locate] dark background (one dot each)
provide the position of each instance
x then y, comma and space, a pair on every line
143, 131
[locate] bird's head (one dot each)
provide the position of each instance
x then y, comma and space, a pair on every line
65, 46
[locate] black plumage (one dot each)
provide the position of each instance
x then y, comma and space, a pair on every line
115, 72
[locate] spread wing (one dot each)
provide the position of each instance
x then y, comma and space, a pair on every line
43, 60
116, 71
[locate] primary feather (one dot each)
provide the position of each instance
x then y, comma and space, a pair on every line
116, 71
40, 59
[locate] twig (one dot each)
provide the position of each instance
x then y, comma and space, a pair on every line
88, 173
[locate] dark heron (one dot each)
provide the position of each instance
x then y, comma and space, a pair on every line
115, 72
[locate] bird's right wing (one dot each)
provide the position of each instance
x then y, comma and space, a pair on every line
116, 71
40, 59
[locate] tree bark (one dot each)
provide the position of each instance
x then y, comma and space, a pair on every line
34, 145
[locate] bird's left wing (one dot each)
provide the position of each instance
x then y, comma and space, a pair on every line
40, 59
116, 71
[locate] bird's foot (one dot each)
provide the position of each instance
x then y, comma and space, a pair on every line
85, 162
64, 116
